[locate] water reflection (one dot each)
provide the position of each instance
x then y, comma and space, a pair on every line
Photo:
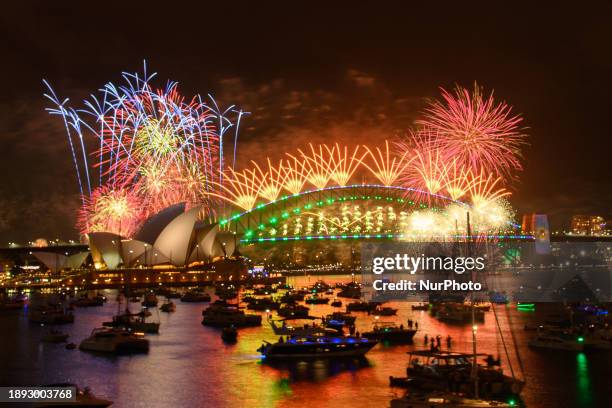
189, 365
318, 370
583, 381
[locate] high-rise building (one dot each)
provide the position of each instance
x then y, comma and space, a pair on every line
588, 225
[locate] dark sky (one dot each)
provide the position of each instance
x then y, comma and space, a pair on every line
353, 71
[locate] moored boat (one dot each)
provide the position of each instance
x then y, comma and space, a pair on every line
225, 316
115, 340
168, 306
195, 297
317, 347
390, 332
229, 334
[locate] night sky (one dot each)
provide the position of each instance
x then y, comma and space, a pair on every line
307, 72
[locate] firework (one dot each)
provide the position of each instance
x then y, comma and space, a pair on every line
295, 174
476, 130
240, 188
116, 210
486, 188
384, 166
458, 180
344, 165
320, 168
151, 141
271, 181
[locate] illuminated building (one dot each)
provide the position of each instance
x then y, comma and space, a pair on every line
588, 225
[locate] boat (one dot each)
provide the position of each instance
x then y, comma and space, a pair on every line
351, 291
86, 301
336, 303
115, 340
50, 315
459, 372
390, 332
229, 334
555, 341
309, 347
224, 316
316, 300
170, 294
339, 319
194, 296
291, 297
293, 311
83, 398
384, 311
320, 286
287, 328
262, 304
446, 399
54, 336
362, 306
421, 306
134, 322
167, 306
150, 300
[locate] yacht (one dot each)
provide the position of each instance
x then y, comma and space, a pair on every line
454, 372
336, 303
390, 332
557, 342
287, 328
195, 297
133, 321
316, 300
225, 316
114, 340
317, 347
293, 311
384, 311
262, 304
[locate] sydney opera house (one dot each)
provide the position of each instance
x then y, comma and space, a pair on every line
172, 237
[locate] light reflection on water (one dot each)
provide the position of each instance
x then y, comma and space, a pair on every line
189, 365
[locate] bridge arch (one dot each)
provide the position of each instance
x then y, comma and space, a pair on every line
358, 211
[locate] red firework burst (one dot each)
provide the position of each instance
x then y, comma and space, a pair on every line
475, 130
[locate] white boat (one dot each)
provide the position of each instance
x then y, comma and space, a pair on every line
557, 342
113, 340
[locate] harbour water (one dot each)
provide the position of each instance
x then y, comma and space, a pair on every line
188, 365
